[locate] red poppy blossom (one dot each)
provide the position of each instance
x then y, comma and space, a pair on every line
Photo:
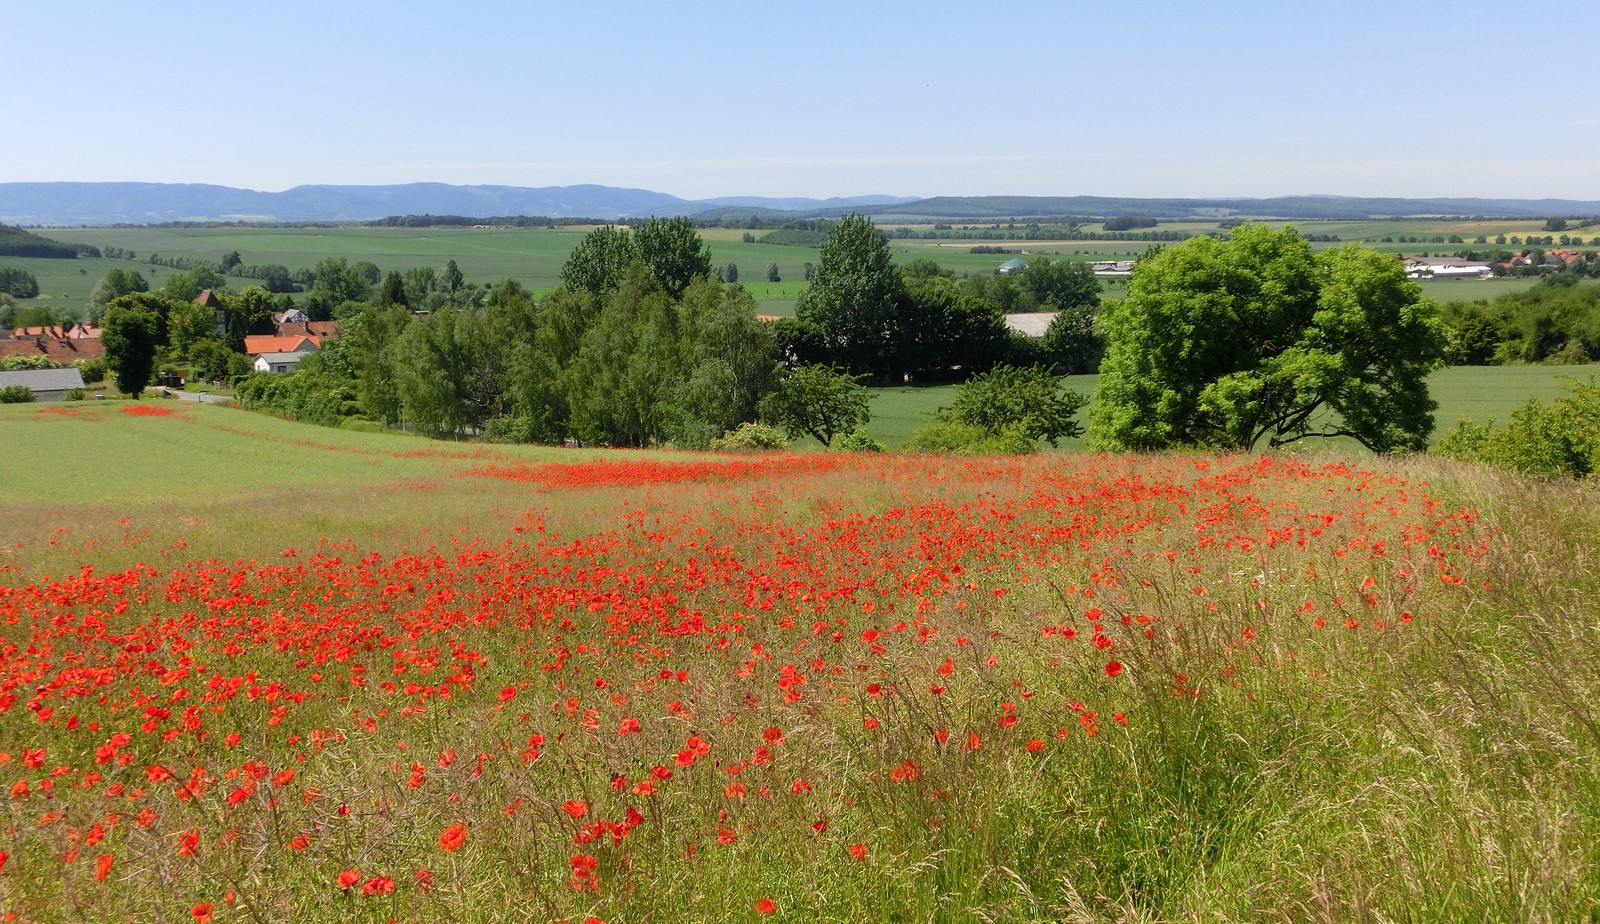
348, 878
452, 838
765, 906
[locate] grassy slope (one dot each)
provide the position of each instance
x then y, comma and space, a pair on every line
1440, 771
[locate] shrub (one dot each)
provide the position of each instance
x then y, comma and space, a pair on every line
750, 437
858, 440
25, 361
16, 394
509, 430
1561, 438
951, 437
72, 394
92, 370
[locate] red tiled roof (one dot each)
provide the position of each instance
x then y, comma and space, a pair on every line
256, 344
323, 329
57, 349
75, 332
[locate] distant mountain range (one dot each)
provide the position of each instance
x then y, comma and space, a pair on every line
156, 203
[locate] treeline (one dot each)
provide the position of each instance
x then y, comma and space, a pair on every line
18, 283
15, 242
1549, 323
639, 346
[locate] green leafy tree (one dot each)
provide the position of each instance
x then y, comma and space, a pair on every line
673, 253
117, 283
334, 284
230, 261
1229, 344
275, 277
1071, 343
18, 282
730, 363
951, 334
369, 339
210, 359
857, 299
129, 339
1051, 285
817, 400
628, 368
393, 291
249, 312
187, 323
597, 264
772, 273
1028, 402
730, 273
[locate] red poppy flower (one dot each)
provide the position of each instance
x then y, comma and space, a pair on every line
765, 906
348, 878
102, 867
452, 838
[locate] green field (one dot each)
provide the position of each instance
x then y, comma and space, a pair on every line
1480, 393
534, 256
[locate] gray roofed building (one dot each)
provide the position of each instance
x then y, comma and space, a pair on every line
46, 384
278, 362
1011, 266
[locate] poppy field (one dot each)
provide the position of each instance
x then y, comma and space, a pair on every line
666, 687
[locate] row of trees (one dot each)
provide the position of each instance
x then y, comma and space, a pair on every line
1220, 343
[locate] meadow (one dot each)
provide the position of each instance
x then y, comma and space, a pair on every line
1479, 393
290, 673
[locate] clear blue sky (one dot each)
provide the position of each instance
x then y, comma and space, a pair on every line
704, 99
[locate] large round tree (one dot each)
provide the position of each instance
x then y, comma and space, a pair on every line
1256, 340
129, 336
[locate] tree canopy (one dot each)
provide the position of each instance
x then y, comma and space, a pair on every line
856, 299
1231, 343
129, 338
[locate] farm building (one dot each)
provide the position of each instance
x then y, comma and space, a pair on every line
1112, 269
1446, 268
46, 384
1012, 266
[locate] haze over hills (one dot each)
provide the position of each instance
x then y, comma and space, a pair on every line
66, 203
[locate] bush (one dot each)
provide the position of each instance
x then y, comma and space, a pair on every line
509, 430
951, 437
750, 437
25, 361
858, 440
72, 394
16, 394
92, 370
1561, 438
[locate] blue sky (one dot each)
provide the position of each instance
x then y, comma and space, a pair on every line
704, 99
